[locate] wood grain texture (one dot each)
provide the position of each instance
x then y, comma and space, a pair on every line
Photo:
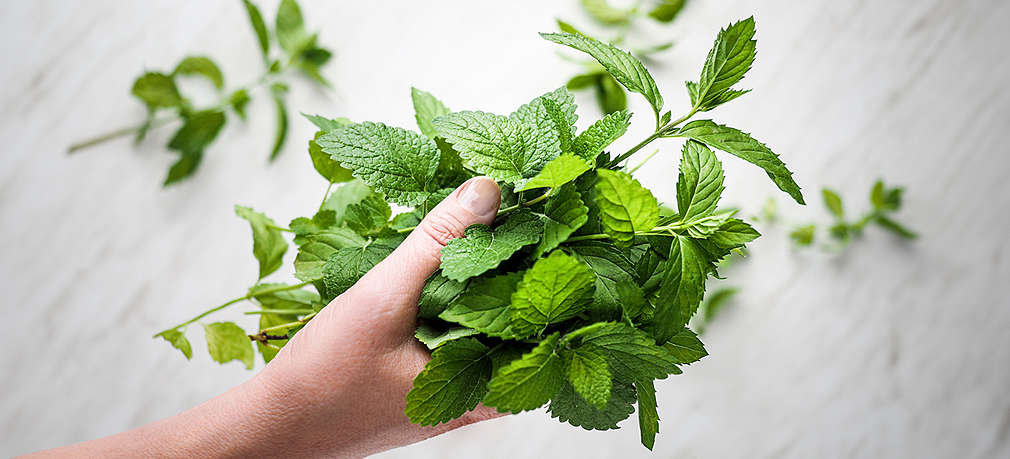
890, 350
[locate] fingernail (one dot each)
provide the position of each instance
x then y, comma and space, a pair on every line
480, 196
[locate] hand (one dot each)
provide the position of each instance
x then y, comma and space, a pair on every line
338, 388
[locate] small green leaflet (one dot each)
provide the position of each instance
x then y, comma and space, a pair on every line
564, 213
394, 161
685, 346
633, 355
628, 70
666, 11
157, 90
833, 202
327, 124
742, 145
203, 66
602, 11
648, 414
528, 382
369, 216
227, 341
733, 233
612, 268
433, 337
553, 114
482, 248
895, 227
451, 384
682, 287
803, 235
484, 305
589, 375
178, 341
729, 59
555, 289
278, 90
439, 291
591, 142
426, 109
290, 27
700, 183
331, 170
259, 27
347, 265
568, 406
319, 247
268, 244
558, 171
625, 205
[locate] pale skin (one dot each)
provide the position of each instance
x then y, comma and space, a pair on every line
338, 388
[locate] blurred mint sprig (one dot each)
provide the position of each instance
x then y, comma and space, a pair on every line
288, 46
884, 200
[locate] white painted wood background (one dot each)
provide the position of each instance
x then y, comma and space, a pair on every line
889, 350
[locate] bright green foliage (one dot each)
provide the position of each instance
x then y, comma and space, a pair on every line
268, 244
885, 202
580, 291
833, 202
157, 90
483, 248
528, 382
626, 206
803, 235
555, 289
667, 10
729, 59
226, 342
178, 340
452, 383
203, 66
602, 11
259, 27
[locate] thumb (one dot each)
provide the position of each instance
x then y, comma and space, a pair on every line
406, 269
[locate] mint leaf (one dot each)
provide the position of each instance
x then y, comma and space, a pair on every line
666, 11
178, 341
588, 374
327, 124
804, 235
347, 265
290, 27
369, 216
601, 11
685, 346
733, 233
451, 384
625, 206
157, 90
612, 268
317, 249
564, 213
568, 406
555, 289
203, 66
886, 198
742, 145
238, 101
426, 109
227, 341
682, 287
553, 114
392, 160
347, 194
259, 27
895, 227
268, 244
281, 131
184, 167
482, 248
729, 59
633, 355
499, 147
591, 142
439, 291
628, 70
433, 337
558, 171
528, 382
331, 170
699, 185
648, 414
833, 202
197, 132
484, 305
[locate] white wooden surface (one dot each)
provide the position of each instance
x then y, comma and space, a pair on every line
890, 350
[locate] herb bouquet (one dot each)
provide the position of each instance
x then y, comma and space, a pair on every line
577, 296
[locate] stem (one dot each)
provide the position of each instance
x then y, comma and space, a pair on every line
281, 311
280, 228
112, 135
655, 135
236, 300
588, 237
325, 197
647, 158
289, 324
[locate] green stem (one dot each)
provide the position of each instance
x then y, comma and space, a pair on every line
281, 311
289, 324
325, 197
280, 228
122, 132
647, 158
655, 135
588, 237
236, 300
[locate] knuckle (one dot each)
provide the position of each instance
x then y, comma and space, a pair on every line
442, 228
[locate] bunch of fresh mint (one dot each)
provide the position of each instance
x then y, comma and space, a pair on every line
165, 103
577, 296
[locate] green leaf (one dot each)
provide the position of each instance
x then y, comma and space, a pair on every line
203, 66
628, 70
451, 384
394, 161
610, 96
184, 167
555, 289
895, 227
633, 355
602, 11
733, 233
700, 183
483, 248
553, 114
178, 341
439, 291
327, 124
803, 235
330, 169
227, 341
714, 303
197, 132
349, 193
648, 414
564, 213
324, 220
497, 146
347, 265
729, 59
268, 244
433, 337
591, 142
238, 101
703, 227
568, 406
426, 109
833, 202
625, 205
612, 268
317, 249
588, 374
685, 347
584, 80
281, 132
528, 382
742, 145
369, 216
259, 27
558, 171
484, 305
157, 90
666, 11
290, 27
567, 28
885, 198
682, 287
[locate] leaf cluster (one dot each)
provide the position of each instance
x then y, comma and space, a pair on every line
884, 202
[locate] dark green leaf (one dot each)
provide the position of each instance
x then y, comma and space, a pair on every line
451, 384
